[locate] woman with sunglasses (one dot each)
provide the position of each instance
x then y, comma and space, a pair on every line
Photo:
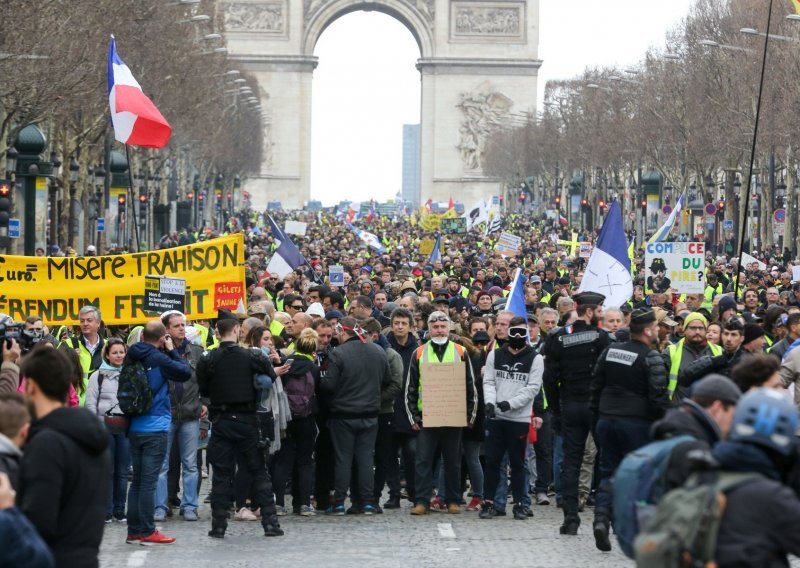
101, 399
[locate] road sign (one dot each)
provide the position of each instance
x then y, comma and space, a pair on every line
779, 215
711, 209
727, 224
667, 209
13, 228
101, 224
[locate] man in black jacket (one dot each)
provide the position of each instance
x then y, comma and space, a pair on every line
733, 353
629, 392
225, 376
357, 372
404, 439
65, 468
570, 355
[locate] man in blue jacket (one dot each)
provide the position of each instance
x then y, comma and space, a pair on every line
148, 432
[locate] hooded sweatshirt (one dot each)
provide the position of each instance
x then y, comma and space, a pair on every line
161, 367
102, 397
515, 378
64, 484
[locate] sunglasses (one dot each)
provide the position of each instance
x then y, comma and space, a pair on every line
518, 332
438, 318
297, 306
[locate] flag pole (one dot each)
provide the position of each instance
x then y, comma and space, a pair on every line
131, 197
753, 153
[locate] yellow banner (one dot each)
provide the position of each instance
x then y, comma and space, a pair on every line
55, 288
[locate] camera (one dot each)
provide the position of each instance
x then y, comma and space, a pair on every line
24, 338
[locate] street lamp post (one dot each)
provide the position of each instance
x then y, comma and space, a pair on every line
54, 199
30, 143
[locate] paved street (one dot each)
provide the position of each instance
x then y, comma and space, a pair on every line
394, 539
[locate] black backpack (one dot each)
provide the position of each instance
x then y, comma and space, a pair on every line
134, 395
300, 392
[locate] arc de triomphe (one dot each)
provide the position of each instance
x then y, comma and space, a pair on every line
479, 65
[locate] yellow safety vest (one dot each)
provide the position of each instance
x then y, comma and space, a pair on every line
675, 352
426, 354
85, 357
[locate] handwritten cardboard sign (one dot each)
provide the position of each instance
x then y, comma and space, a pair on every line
444, 394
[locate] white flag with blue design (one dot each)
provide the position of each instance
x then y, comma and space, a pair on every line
608, 270
369, 239
436, 252
665, 229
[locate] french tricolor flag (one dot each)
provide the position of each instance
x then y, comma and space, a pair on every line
136, 119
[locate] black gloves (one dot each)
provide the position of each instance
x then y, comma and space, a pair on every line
504, 406
489, 410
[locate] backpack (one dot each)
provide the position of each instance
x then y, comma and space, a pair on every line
684, 529
300, 392
638, 485
134, 395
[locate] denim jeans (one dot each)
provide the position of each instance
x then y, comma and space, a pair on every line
558, 457
120, 450
430, 442
472, 457
188, 436
148, 450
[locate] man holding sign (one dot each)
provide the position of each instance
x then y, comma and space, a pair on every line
440, 375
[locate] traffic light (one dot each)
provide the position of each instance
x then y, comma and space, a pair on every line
143, 198
229, 196
190, 195
558, 200
602, 204
721, 205
121, 200
644, 207
201, 197
5, 203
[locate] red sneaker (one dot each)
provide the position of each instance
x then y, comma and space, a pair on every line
156, 538
475, 504
133, 539
438, 505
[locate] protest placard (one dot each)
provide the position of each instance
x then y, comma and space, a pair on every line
676, 266
445, 395
508, 244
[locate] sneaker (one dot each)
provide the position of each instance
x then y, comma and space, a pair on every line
354, 510
189, 515
156, 538
453, 509
133, 539
120, 517
392, 503
474, 504
204, 473
368, 510
542, 498
487, 511
499, 512
280, 510
438, 505
109, 519
336, 510
419, 509
160, 515
307, 511
216, 532
244, 514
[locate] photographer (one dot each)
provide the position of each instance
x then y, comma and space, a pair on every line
9, 371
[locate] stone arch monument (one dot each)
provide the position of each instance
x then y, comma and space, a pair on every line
479, 65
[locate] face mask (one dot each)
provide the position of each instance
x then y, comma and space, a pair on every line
439, 340
265, 350
516, 342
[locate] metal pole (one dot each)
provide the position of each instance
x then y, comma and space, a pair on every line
131, 197
753, 147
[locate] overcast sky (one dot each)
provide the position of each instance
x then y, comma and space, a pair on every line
366, 86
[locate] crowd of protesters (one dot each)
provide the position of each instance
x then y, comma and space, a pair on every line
331, 419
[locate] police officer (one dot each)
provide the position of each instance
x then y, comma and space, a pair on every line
570, 357
629, 392
225, 376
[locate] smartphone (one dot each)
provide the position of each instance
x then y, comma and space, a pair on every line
289, 361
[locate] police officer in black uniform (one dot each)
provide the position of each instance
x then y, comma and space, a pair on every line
570, 356
225, 376
629, 393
